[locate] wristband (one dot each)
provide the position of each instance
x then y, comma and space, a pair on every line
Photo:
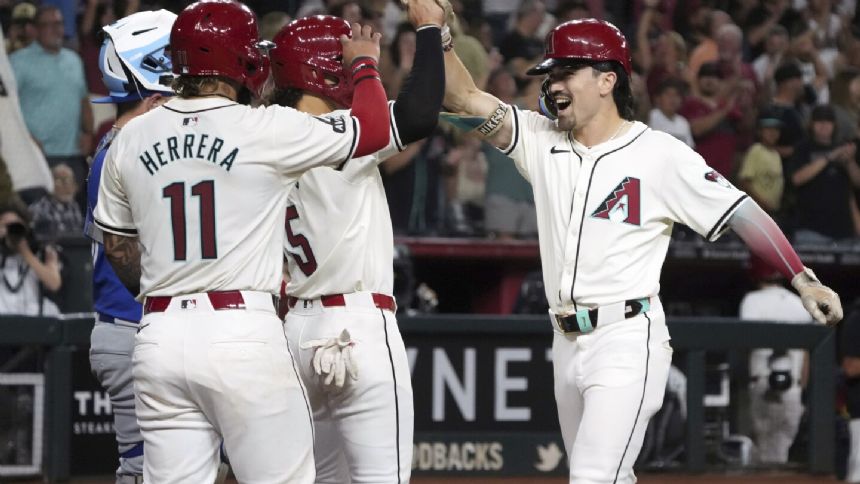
447, 39
494, 121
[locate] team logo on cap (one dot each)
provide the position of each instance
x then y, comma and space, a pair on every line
622, 205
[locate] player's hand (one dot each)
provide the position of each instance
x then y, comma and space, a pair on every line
364, 43
427, 12
332, 359
821, 302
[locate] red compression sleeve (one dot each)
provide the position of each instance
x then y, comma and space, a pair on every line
370, 107
765, 239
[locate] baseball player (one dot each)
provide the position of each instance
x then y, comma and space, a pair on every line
192, 204
341, 325
607, 192
133, 82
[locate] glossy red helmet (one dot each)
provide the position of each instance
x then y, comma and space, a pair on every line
589, 40
308, 56
219, 38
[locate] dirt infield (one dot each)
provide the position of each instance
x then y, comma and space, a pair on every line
644, 478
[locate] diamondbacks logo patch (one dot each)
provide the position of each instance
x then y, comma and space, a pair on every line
622, 205
714, 176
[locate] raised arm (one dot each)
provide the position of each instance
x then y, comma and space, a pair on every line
416, 110
370, 105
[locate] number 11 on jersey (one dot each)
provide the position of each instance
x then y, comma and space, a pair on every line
205, 191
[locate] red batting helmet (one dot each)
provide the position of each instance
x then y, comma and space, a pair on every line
219, 38
589, 40
308, 56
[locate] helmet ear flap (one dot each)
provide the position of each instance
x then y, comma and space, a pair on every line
546, 102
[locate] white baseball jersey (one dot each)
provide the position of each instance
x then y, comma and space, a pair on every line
203, 183
605, 213
339, 236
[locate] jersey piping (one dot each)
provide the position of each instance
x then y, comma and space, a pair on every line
115, 230
516, 137
585, 203
641, 400
722, 220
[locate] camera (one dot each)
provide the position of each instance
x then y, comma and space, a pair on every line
15, 232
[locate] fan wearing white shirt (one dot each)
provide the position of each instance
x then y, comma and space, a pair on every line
664, 116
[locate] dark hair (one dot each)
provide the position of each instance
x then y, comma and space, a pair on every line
622, 93
394, 49
18, 208
285, 96
127, 107
670, 83
43, 9
192, 86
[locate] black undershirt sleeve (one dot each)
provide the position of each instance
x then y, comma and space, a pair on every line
416, 109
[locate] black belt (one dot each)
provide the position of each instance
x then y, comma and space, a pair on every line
585, 320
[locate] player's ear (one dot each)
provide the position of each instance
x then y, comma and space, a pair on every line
606, 82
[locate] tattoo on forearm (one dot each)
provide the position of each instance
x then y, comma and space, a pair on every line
123, 253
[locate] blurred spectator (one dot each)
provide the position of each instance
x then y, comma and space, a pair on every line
53, 94
26, 164
849, 347
397, 60
825, 175
845, 99
667, 61
764, 17
789, 88
568, 10
760, 172
271, 24
22, 29
523, 46
707, 50
509, 209
498, 13
814, 71
776, 377
714, 117
25, 273
96, 15
58, 215
478, 61
775, 49
348, 10
664, 116
466, 169
826, 27
738, 76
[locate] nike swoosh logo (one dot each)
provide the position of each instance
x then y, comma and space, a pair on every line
553, 150
138, 32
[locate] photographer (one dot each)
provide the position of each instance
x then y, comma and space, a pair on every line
23, 271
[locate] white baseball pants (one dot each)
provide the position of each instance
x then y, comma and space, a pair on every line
608, 385
364, 432
201, 375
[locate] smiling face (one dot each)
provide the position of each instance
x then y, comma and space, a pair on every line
578, 93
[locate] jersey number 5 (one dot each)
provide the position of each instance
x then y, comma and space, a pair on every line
299, 241
205, 190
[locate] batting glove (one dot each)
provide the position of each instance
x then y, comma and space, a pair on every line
821, 302
332, 359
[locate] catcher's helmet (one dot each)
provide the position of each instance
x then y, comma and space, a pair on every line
308, 56
219, 38
133, 57
588, 40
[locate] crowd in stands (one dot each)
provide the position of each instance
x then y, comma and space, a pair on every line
767, 91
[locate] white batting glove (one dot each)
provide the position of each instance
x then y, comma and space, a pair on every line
333, 359
821, 302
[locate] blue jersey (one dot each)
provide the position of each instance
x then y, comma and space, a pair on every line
110, 297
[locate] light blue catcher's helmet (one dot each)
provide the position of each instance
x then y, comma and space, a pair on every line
134, 58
